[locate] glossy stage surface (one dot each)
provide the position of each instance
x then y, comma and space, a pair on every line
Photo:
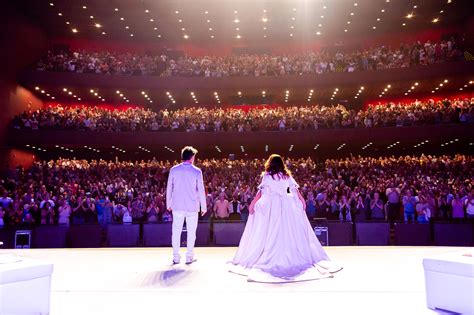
375, 280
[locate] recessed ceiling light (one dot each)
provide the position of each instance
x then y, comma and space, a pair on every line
116, 9
435, 20
186, 36
60, 14
74, 30
98, 25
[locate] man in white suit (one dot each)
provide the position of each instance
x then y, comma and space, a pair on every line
184, 197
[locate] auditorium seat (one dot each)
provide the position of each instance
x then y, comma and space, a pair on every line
372, 233
123, 235
412, 234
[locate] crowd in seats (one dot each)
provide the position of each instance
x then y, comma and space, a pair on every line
411, 188
195, 119
382, 57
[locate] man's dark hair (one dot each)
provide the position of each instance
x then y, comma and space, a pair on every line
188, 152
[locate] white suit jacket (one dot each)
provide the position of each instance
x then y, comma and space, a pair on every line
185, 189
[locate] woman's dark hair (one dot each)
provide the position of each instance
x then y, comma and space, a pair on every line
274, 166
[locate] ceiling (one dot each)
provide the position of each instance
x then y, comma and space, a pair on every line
348, 95
240, 20
328, 143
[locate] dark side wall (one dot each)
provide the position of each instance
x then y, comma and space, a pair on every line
22, 43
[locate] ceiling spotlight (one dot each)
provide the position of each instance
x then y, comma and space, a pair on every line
74, 30
186, 36
98, 25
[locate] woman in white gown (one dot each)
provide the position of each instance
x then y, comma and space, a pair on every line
278, 244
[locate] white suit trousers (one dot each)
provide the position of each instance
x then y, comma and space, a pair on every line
191, 227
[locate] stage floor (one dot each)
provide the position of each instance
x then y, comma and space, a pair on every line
375, 280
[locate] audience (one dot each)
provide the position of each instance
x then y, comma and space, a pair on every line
311, 62
350, 189
277, 118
